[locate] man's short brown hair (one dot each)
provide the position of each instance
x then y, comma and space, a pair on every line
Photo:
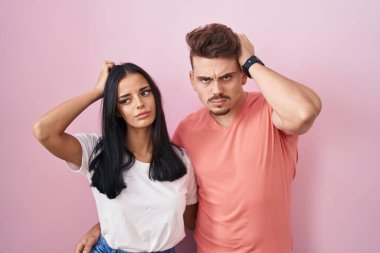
213, 41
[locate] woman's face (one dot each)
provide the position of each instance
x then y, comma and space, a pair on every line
135, 100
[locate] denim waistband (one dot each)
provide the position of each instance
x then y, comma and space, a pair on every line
103, 247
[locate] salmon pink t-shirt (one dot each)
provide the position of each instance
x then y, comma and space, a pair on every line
244, 173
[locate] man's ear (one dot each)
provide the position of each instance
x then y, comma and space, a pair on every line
191, 76
244, 79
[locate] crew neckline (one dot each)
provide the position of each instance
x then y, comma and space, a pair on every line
141, 164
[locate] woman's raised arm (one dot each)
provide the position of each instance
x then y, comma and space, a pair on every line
50, 128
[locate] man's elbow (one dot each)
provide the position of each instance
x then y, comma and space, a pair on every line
305, 119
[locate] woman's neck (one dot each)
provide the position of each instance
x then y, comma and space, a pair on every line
139, 142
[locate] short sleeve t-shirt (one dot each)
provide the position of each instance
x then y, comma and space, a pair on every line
147, 215
244, 173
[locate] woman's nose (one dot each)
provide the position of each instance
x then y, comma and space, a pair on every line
139, 103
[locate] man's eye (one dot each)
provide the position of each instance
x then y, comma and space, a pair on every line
226, 78
205, 81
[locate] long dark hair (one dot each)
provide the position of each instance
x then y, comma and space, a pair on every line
111, 157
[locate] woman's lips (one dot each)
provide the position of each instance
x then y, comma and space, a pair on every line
142, 115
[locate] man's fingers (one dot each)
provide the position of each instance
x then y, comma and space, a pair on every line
246, 46
243, 37
90, 243
87, 249
80, 246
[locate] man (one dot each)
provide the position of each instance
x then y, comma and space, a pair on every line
243, 145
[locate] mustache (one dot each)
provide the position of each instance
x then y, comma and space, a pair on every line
221, 96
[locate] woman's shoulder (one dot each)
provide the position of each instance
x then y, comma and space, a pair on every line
182, 153
88, 141
88, 137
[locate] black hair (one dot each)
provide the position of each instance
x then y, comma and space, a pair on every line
111, 157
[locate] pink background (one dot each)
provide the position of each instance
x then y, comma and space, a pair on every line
52, 50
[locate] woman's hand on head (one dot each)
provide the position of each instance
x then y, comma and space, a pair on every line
100, 84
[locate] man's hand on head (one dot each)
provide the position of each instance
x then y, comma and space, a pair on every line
247, 49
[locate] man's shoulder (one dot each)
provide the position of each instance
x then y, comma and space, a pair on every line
190, 126
193, 119
255, 97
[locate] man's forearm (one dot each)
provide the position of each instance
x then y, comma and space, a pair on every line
295, 106
95, 230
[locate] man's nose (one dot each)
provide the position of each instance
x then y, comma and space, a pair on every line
217, 88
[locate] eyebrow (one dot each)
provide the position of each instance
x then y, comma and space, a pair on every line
141, 89
220, 77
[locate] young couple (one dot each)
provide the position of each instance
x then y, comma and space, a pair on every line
243, 147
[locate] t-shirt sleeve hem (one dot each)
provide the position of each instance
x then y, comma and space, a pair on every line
88, 143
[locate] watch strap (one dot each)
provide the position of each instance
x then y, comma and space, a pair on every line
250, 61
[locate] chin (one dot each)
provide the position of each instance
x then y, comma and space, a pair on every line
219, 112
143, 124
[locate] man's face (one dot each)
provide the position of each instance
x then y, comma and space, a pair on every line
218, 83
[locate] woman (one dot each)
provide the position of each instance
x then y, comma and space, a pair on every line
141, 182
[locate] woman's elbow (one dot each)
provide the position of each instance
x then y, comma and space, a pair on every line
39, 131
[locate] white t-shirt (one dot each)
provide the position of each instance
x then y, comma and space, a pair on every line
147, 215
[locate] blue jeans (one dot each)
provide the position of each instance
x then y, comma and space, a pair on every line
102, 247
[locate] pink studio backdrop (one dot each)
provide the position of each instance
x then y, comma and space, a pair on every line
52, 50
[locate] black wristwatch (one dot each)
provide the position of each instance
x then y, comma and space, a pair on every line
251, 60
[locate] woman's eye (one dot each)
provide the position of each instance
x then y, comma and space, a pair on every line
145, 93
125, 101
